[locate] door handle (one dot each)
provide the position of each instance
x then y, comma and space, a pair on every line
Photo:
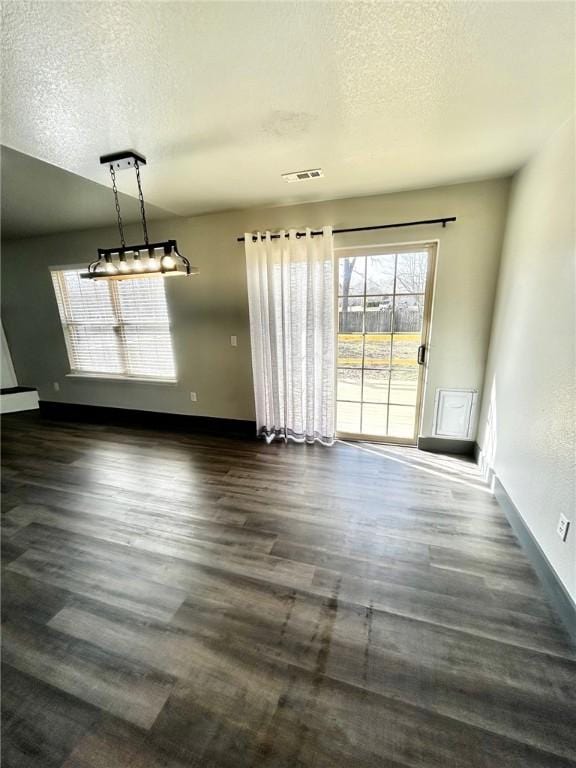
421, 354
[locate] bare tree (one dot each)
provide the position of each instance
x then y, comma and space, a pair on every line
411, 273
346, 279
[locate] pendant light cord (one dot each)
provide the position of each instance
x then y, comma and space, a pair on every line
141, 198
117, 202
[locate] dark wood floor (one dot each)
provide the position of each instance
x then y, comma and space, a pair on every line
189, 601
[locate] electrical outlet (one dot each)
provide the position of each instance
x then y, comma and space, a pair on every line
193, 397
233, 341
56, 386
563, 525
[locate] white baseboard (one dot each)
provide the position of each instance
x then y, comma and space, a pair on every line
18, 401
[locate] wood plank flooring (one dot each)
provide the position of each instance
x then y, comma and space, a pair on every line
188, 601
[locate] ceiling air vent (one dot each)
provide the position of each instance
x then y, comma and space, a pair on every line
313, 173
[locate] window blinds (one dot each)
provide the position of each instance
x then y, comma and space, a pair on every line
118, 327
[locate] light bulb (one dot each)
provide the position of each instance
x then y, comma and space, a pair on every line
168, 262
137, 265
152, 264
123, 266
111, 268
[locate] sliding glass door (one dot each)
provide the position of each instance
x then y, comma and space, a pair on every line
384, 300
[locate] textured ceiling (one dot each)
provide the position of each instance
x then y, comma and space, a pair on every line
223, 97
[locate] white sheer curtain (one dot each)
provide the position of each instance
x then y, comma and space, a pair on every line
292, 327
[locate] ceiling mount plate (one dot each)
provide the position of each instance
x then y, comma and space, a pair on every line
123, 160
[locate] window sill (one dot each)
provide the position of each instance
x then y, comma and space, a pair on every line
127, 379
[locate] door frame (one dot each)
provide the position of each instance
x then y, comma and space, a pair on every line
404, 247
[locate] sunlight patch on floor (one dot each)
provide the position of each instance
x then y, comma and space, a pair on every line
457, 469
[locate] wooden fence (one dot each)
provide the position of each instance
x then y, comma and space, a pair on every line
380, 321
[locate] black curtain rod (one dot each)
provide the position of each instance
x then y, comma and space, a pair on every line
443, 221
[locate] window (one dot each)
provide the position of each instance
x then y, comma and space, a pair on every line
115, 327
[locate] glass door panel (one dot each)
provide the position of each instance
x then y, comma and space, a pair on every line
348, 417
405, 349
404, 385
376, 386
383, 299
349, 385
374, 419
380, 271
350, 350
377, 349
401, 421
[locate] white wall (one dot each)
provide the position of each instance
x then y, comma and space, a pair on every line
527, 429
207, 309
8, 377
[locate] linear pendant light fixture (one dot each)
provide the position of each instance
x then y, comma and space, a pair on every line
145, 259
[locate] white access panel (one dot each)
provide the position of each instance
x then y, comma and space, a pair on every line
454, 413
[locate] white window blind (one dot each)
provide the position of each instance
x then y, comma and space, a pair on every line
117, 327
